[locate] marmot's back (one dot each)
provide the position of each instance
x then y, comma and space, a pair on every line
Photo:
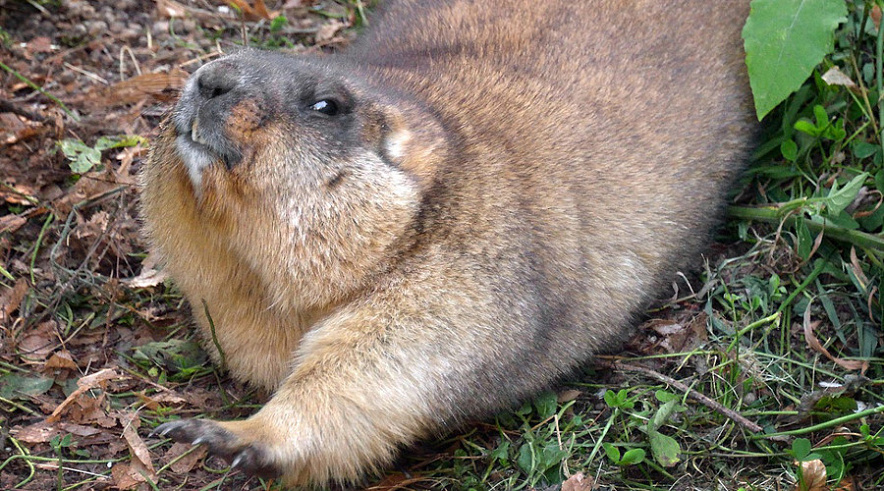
469, 203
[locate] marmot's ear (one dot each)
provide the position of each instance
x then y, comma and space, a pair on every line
408, 137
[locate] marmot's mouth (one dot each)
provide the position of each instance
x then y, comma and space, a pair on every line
196, 156
195, 134
201, 145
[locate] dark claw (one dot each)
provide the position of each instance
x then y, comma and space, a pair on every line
247, 457
254, 462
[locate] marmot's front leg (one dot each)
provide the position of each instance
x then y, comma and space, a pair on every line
362, 387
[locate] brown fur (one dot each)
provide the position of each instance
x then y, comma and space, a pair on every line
504, 188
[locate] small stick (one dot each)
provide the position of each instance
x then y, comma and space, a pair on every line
8, 107
740, 419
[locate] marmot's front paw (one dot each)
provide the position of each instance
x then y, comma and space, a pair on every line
249, 456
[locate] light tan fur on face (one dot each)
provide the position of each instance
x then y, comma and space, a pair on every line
506, 186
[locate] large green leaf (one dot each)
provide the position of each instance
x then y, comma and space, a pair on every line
784, 41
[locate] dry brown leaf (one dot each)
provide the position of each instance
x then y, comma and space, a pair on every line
858, 270
11, 223
11, 299
149, 276
146, 86
38, 343
876, 16
44, 431
137, 449
258, 12
91, 410
846, 484
124, 175
79, 430
40, 432
579, 482
125, 477
17, 193
11, 125
568, 395
673, 335
90, 186
169, 9
88, 382
153, 401
187, 462
834, 76
76, 398
813, 476
60, 360
261, 9
815, 345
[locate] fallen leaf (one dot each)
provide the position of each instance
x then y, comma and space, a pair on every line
38, 343
147, 86
79, 430
813, 476
170, 9
153, 402
579, 482
258, 12
815, 344
149, 277
137, 449
11, 299
126, 156
187, 462
858, 270
60, 360
834, 76
87, 409
11, 223
40, 432
44, 431
88, 382
846, 484
18, 193
125, 477
568, 395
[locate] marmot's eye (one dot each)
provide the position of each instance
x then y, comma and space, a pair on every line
325, 106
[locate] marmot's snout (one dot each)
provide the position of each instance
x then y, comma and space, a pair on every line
209, 105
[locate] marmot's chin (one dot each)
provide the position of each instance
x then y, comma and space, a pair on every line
196, 157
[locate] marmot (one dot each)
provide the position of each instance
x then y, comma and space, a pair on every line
444, 219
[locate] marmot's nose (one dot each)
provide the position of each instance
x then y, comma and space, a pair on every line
217, 79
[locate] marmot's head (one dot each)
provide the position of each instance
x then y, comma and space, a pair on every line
313, 176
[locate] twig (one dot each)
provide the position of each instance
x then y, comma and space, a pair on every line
87, 73
735, 416
8, 107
